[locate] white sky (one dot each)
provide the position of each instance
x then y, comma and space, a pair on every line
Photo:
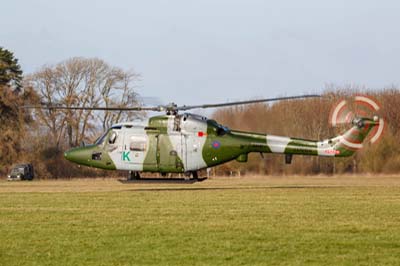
209, 51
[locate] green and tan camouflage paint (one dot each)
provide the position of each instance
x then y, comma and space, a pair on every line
183, 143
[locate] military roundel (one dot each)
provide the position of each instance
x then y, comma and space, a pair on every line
216, 144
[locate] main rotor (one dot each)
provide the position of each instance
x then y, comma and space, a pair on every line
170, 109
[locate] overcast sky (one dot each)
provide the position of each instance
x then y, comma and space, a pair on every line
208, 51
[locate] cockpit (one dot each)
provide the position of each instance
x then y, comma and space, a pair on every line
112, 134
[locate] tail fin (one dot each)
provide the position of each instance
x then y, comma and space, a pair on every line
351, 141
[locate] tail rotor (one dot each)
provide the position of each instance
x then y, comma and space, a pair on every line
349, 111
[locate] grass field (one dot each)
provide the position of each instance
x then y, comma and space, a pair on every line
247, 221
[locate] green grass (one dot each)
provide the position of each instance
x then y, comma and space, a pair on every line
205, 224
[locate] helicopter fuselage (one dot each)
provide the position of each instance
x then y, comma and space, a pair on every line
187, 143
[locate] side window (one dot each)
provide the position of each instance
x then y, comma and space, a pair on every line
113, 137
138, 144
222, 130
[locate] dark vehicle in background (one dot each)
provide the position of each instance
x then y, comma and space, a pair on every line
21, 172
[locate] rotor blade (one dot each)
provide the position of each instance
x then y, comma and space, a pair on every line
135, 108
184, 107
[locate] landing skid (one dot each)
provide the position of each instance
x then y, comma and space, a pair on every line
162, 180
189, 177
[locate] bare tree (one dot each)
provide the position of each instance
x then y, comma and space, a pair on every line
86, 83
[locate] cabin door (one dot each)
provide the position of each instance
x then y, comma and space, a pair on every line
134, 149
170, 153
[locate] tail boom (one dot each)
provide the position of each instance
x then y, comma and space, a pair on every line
340, 146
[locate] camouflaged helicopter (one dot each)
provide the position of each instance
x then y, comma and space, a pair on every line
186, 143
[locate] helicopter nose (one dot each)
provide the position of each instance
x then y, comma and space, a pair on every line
69, 155
77, 155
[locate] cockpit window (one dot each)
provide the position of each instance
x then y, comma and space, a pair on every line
113, 137
100, 140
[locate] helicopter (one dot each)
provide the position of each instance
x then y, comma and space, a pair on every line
187, 143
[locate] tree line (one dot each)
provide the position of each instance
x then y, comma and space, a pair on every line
41, 135
309, 119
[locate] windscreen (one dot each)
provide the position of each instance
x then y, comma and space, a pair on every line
100, 140
17, 170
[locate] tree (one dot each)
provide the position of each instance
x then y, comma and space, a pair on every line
10, 70
13, 119
82, 82
13, 122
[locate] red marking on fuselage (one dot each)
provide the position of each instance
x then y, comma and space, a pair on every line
336, 152
201, 134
